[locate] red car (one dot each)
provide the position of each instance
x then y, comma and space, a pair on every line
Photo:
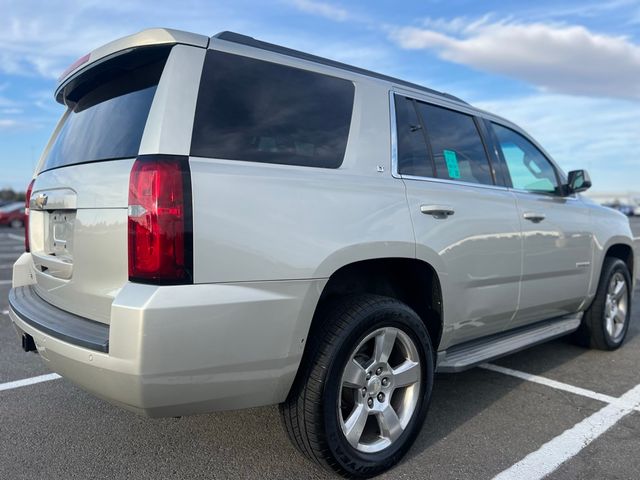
12, 214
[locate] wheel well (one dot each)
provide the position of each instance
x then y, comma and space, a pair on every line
624, 253
411, 281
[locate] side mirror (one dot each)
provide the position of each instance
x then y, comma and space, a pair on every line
578, 181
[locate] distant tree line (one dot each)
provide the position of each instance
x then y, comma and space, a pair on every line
9, 195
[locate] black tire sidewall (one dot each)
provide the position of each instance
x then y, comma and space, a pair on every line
393, 315
617, 266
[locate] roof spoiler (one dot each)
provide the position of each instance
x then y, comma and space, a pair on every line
149, 37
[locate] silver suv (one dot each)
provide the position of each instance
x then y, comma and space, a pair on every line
220, 223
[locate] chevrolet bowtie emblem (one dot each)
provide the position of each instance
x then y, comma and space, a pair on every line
41, 200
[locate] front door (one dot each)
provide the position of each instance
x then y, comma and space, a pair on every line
557, 242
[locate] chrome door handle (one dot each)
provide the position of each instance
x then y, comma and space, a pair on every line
437, 211
534, 217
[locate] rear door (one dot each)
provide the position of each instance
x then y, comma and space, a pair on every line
464, 220
557, 238
78, 208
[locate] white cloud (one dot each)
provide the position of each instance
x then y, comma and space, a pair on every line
43, 38
45, 45
7, 102
583, 9
6, 123
322, 9
555, 58
598, 134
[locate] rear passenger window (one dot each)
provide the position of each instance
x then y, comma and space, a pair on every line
413, 158
259, 111
456, 145
528, 167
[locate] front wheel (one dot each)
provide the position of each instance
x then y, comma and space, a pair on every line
363, 389
605, 323
16, 224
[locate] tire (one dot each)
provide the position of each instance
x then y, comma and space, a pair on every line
325, 402
16, 224
601, 328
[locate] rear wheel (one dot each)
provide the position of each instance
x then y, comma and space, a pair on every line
363, 389
16, 223
606, 322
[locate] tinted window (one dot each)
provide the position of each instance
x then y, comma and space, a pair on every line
458, 151
265, 112
528, 167
109, 112
413, 158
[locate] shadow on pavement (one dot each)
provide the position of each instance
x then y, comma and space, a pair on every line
458, 398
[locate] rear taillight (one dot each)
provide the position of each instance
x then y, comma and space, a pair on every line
27, 200
160, 221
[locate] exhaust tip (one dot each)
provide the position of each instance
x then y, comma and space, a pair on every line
28, 344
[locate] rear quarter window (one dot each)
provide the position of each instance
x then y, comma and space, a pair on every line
259, 111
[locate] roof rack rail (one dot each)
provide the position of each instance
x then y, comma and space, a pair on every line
252, 42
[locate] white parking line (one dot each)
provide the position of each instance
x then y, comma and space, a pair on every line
5, 282
4, 312
558, 385
13, 236
552, 454
28, 381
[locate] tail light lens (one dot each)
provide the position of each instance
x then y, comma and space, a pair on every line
27, 201
160, 221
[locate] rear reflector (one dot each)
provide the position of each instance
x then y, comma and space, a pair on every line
27, 200
160, 221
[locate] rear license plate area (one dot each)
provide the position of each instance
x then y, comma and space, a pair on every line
60, 235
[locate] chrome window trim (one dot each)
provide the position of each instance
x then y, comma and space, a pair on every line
454, 182
394, 153
394, 135
547, 195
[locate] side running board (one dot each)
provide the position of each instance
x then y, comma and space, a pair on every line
469, 354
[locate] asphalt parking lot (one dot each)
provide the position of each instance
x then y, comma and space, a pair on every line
552, 403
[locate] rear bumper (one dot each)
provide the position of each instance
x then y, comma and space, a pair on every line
46, 318
180, 350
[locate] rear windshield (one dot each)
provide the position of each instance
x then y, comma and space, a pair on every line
108, 111
259, 111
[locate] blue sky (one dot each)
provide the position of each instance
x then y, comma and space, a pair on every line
567, 72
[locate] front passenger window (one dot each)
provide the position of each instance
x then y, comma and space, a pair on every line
528, 167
